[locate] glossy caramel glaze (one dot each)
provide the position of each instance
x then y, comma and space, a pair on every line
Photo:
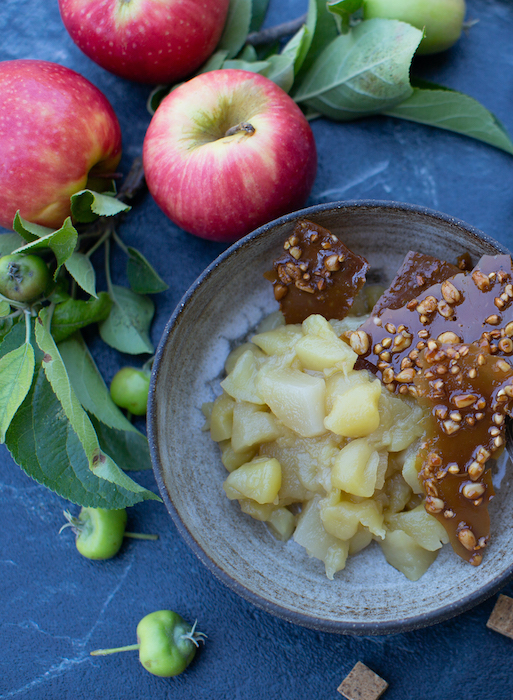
316, 274
447, 347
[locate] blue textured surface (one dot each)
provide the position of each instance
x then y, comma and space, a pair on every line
57, 606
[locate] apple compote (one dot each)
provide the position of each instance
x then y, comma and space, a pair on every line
339, 430
318, 450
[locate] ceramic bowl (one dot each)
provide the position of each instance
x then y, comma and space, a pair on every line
221, 310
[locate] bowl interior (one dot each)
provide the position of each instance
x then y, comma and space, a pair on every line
220, 311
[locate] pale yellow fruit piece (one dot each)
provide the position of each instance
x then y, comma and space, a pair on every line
292, 488
232, 358
410, 470
295, 398
317, 353
382, 469
339, 382
280, 341
303, 462
311, 535
355, 413
425, 530
401, 422
355, 468
259, 480
321, 348
281, 523
398, 492
206, 409
221, 418
403, 553
342, 519
231, 459
252, 425
360, 540
241, 383
258, 511
317, 325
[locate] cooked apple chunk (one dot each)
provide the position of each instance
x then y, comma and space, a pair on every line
355, 413
355, 469
295, 398
259, 480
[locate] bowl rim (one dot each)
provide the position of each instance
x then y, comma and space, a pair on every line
305, 620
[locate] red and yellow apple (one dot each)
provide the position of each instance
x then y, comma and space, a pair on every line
150, 41
227, 152
58, 132
442, 20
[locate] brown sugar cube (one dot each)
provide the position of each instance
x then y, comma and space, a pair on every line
501, 619
362, 684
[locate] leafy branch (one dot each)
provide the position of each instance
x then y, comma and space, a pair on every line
56, 415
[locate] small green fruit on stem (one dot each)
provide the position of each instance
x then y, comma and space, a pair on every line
99, 533
166, 642
129, 389
23, 278
442, 20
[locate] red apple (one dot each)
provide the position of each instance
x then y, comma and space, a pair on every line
151, 41
226, 152
57, 132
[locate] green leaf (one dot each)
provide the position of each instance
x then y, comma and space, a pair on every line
87, 206
142, 277
14, 337
29, 231
127, 327
280, 70
156, 96
321, 30
258, 12
88, 384
215, 62
5, 308
130, 448
363, 72
73, 314
297, 47
344, 9
100, 464
248, 53
16, 373
253, 67
61, 242
6, 325
236, 28
80, 268
43, 443
453, 111
9, 242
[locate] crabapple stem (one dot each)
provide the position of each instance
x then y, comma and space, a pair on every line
104, 652
140, 536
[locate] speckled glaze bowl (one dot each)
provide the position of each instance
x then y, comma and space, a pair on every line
218, 312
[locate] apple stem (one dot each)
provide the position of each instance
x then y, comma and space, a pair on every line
272, 34
104, 652
245, 127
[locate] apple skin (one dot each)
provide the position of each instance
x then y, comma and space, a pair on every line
442, 20
149, 41
56, 130
221, 187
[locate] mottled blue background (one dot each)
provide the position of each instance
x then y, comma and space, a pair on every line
57, 606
